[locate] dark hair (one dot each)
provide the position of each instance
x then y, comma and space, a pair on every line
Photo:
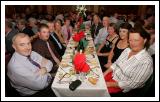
150, 26
59, 21
22, 22
126, 25
148, 16
67, 18
141, 31
114, 26
42, 26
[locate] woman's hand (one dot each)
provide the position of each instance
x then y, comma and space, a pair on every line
100, 54
108, 65
107, 71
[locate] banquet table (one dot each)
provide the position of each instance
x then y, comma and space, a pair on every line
66, 74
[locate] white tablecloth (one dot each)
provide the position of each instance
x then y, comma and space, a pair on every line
86, 89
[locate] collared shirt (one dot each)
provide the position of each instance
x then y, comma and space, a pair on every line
133, 72
24, 75
23, 29
101, 36
40, 46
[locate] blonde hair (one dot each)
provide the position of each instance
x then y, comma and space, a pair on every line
22, 21
21, 35
32, 20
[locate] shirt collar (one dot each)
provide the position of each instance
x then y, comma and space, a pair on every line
20, 56
23, 28
139, 54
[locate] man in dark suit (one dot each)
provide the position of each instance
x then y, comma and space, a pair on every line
96, 26
46, 48
9, 33
21, 24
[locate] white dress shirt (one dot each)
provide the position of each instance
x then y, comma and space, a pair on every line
101, 36
24, 76
133, 72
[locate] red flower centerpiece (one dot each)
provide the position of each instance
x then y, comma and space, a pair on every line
80, 64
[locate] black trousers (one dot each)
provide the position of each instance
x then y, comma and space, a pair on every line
103, 60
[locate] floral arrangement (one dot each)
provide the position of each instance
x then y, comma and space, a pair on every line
81, 10
79, 60
81, 13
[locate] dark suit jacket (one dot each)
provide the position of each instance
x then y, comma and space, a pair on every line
40, 47
28, 31
8, 40
93, 27
60, 51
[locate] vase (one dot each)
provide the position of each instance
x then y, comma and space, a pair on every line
81, 76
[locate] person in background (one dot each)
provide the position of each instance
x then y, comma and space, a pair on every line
21, 24
96, 26
60, 16
106, 46
131, 19
134, 66
33, 25
9, 34
58, 32
149, 19
151, 49
102, 32
114, 18
55, 40
27, 70
120, 45
67, 30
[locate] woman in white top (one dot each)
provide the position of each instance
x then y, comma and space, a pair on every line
134, 66
58, 32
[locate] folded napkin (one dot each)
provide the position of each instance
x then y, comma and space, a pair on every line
80, 64
78, 36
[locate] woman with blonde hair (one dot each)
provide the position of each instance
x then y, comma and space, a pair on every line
58, 32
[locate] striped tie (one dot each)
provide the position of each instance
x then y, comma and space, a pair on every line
52, 54
33, 62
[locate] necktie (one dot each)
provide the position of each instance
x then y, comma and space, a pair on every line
52, 54
68, 31
33, 62
95, 31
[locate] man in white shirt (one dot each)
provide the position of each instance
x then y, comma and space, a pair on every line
27, 70
102, 32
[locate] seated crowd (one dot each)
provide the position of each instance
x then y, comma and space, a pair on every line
125, 49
